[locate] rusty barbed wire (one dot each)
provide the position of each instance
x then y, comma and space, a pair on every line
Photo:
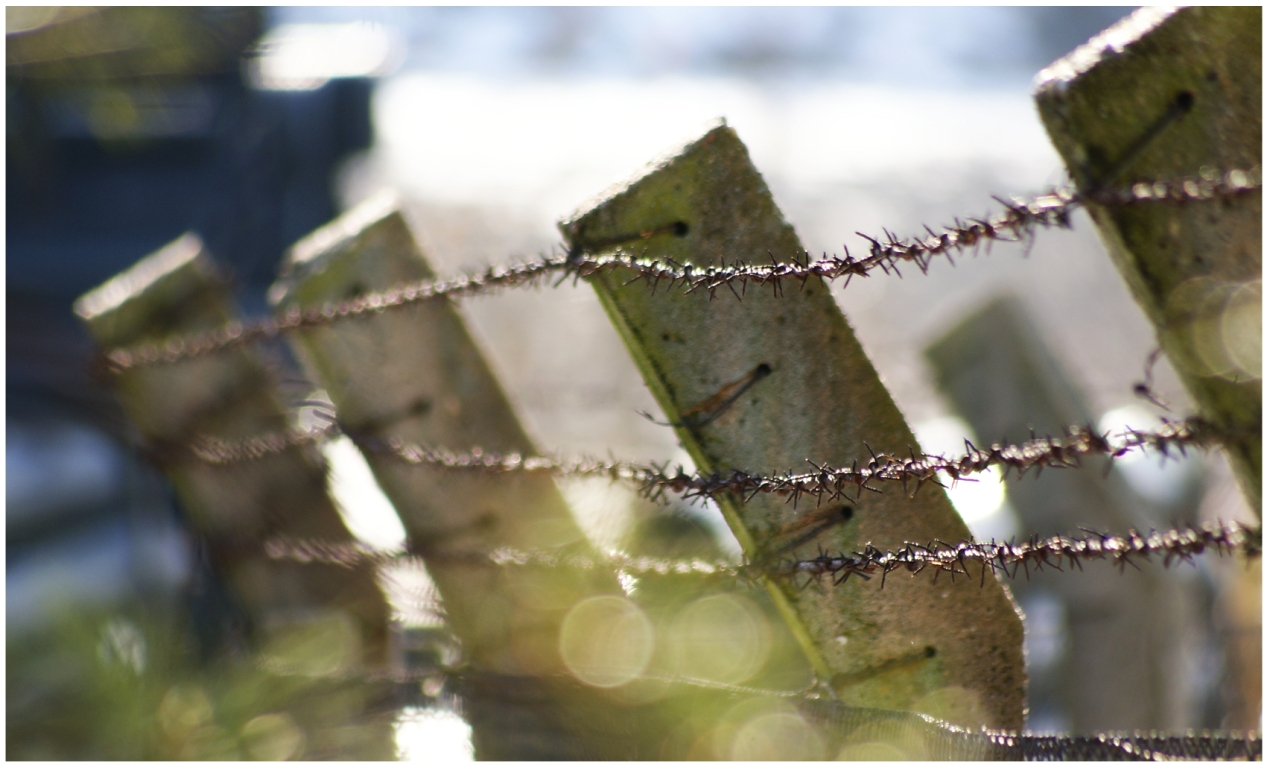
1020, 220
1022, 217
1009, 558
220, 452
824, 483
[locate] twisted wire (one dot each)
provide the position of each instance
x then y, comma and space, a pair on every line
824, 483
1006, 558
944, 741
1021, 218
1180, 544
351, 555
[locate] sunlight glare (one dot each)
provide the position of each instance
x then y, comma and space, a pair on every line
432, 735
366, 511
982, 504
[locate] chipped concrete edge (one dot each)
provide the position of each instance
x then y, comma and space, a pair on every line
1111, 42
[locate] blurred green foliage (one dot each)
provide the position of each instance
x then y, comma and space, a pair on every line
126, 685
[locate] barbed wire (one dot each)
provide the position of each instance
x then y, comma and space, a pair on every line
944, 741
824, 483
1010, 558
353, 554
1208, 185
1006, 558
1019, 221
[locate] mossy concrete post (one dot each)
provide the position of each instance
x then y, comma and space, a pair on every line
812, 394
416, 374
311, 620
1166, 95
231, 396
1125, 632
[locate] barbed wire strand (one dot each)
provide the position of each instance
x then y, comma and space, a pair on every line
1019, 221
1179, 544
824, 483
945, 741
1008, 558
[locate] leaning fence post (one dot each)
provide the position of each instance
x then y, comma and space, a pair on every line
416, 375
1120, 666
1176, 96
770, 381
308, 618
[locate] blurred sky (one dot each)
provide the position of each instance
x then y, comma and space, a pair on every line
941, 46
539, 108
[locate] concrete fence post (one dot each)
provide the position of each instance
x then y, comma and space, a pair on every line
1125, 632
415, 374
307, 619
1166, 96
770, 381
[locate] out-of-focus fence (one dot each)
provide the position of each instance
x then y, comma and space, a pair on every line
898, 636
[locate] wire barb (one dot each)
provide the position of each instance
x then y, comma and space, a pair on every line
1019, 222
1006, 558
824, 484
953, 558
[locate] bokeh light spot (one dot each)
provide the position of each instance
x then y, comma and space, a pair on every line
606, 641
871, 752
895, 736
779, 736
1241, 327
184, 709
954, 704
721, 638
1214, 327
272, 738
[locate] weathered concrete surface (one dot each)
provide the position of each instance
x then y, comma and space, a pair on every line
230, 396
1128, 633
821, 400
1166, 95
417, 375
308, 619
